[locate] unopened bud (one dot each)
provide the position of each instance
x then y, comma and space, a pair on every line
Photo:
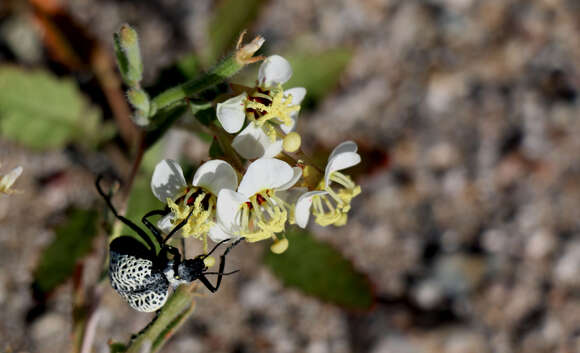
292, 142
128, 54
279, 246
138, 99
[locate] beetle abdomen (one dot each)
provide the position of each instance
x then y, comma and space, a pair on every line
136, 281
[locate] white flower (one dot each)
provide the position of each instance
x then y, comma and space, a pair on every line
255, 211
6, 181
169, 186
330, 206
267, 108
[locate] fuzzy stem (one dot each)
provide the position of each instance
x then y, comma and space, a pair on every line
173, 314
225, 69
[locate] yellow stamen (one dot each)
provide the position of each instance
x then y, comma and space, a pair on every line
264, 216
280, 107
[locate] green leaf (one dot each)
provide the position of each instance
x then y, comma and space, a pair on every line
42, 111
230, 19
72, 242
318, 72
318, 269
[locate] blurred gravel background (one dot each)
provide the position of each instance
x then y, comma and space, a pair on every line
469, 230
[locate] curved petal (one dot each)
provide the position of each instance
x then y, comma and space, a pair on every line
302, 210
228, 210
340, 162
217, 234
297, 93
232, 113
167, 180
265, 173
252, 143
216, 175
289, 128
297, 173
164, 224
274, 70
346, 146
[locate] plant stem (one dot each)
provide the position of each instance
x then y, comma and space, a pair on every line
219, 73
173, 314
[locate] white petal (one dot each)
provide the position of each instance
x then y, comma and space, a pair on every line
165, 223
346, 146
253, 143
289, 128
302, 210
167, 180
215, 175
217, 234
232, 113
274, 70
265, 173
297, 93
295, 177
340, 162
228, 210
7, 180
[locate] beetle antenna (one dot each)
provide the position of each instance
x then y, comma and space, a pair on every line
221, 273
128, 222
214, 248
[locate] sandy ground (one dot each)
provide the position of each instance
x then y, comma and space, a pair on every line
471, 236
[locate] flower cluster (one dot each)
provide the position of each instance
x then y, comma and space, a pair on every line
272, 192
6, 181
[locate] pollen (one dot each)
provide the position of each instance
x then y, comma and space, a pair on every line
274, 105
263, 217
333, 207
201, 205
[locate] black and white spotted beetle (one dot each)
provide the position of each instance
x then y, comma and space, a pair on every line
141, 275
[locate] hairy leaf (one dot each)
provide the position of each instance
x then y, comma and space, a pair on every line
72, 242
318, 269
318, 72
42, 111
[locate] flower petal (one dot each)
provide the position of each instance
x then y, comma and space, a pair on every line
215, 175
274, 70
340, 162
295, 177
228, 210
217, 234
232, 113
164, 224
167, 180
297, 93
265, 173
252, 143
346, 146
302, 210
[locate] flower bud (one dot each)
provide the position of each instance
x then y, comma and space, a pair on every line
126, 44
279, 246
138, 99
292, 142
